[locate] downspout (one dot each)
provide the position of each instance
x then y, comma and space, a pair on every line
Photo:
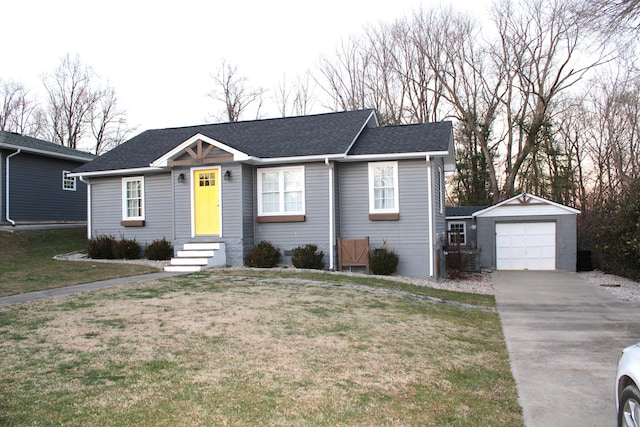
332, 213
430, 211
89, 227
13, 223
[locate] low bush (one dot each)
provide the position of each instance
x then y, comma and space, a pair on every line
127, 249
102, 247
263, 255
383, 261
307, 256
159, 250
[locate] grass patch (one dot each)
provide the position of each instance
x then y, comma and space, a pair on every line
216, 349
27, 264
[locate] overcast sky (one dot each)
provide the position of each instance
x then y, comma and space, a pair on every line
159, 56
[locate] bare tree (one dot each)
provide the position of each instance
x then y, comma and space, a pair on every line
303, 99
294, 98
231, 89
71, 99
108, 122
18, 112
80, 108
612, 16
343, 76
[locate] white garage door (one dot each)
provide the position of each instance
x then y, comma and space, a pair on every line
526, 246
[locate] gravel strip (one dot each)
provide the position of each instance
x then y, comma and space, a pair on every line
622, 288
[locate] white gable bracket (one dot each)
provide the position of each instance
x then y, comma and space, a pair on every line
163, 161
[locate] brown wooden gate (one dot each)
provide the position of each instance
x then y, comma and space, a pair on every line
353, 253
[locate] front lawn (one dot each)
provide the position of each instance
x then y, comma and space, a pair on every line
252, 348
27, 264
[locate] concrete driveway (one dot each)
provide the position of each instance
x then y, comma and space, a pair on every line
564, 338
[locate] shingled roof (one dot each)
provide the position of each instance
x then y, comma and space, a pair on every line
330, 134
15, 141
462, 211
418, 138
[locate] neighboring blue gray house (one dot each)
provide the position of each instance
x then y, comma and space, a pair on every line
35, 181
217, 190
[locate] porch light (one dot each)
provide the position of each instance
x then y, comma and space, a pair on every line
181, 178
227, 175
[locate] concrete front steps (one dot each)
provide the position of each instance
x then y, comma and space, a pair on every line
197, 257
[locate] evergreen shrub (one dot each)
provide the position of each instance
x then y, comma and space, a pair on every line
383, 261
307, 256
263, 255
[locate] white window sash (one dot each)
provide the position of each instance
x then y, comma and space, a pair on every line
463, 232
391, 191
68, 183
285, 198
139, 208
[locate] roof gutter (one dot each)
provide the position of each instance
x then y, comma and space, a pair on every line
116, 172
13, 223
46, 153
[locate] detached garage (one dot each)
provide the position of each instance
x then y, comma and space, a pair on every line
527, 232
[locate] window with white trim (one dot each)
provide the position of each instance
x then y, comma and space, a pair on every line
133, 198
281, 191
68, 182
458, 233
383, 187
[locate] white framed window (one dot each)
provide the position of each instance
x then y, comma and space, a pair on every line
383, 187
281, 191
458, 233
133, 198
68, 182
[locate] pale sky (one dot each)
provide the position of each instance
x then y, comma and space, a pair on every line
159, 56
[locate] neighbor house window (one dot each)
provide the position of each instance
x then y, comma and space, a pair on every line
68, 182
383, 187
133, 198
457, 233
281, 191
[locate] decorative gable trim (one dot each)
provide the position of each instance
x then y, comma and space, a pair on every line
525, 204
199, 156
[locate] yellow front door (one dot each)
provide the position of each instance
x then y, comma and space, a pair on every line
206, 201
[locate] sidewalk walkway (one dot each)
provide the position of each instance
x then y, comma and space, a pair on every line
70, 290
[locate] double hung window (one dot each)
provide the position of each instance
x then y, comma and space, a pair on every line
133, 198
383, 187
281, 191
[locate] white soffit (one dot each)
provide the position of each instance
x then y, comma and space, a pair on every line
526, 205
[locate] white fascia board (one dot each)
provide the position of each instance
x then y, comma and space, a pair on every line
45, 152
484, 212
238, 156
450, 158
393, 156
299, 159
455, 218
115, 172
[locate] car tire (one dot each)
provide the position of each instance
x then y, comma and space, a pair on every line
629, 407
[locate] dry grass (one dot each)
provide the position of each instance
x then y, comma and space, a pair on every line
218, 349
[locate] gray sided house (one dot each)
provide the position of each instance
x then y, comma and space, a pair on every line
220, 189
36, 185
